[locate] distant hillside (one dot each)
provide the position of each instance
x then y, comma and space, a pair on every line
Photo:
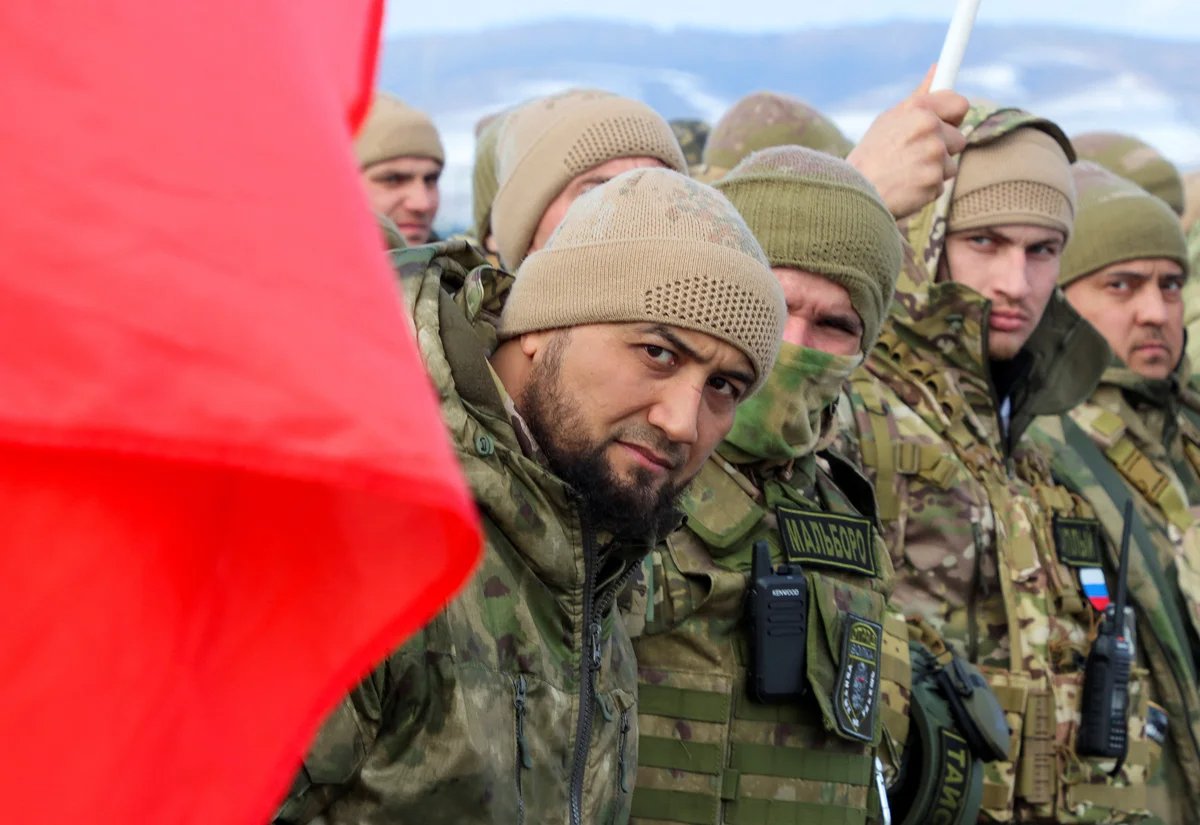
1083, 79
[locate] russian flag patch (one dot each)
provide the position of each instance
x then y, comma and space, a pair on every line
1094, 587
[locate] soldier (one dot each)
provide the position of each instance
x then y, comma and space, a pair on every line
625, 346
401, 157
692, 135
765, 119
906, 153
484, 183
1137, 437
1135, 160
553, 149
712, 747
977, 344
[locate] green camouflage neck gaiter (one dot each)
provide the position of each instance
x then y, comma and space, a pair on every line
782, 421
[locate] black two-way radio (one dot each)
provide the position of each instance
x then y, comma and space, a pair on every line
1105, 712
777, 604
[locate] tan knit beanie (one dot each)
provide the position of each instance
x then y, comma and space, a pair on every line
765, 119
395, 130
547, 142
1134, 160
815, 212
1118, 221
652, 245
483, 178
1023, 177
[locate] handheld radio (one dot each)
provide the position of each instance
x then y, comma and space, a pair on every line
1105, 713
777, 604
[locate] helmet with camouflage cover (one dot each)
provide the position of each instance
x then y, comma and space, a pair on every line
765, 119
1135, 160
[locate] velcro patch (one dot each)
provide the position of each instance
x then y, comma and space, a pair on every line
953, 778
1077, 541
856, 700
828, 540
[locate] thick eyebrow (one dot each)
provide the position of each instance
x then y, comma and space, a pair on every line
1129, 274
995, 233
848, 318
671, 338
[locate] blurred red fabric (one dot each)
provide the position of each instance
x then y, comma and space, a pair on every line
225, 491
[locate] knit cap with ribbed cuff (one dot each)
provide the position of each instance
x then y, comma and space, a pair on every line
817, 213
1022, 178
547, 142
394, 129
1118, 221
654, 246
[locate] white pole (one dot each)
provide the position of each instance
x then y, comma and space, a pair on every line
955, 46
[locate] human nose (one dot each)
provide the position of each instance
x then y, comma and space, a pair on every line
1012, 279
676, 412
1151, 308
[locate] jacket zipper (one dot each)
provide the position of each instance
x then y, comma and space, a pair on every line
589, 663
524, 760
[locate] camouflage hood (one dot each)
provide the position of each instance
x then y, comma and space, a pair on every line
1164, 397
948, 321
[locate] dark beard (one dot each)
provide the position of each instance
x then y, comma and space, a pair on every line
635, 512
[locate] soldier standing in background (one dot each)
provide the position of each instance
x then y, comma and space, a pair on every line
609, 388
978, 344
401, 157
692, 135
1137, 438
553, 149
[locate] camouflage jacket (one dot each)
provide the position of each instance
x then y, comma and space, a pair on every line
1137, 438
971, 514
1191, 296
709, 753
517, 701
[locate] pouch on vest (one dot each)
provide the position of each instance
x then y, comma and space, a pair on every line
845, 657
975, 709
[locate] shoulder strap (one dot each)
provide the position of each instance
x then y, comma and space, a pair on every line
719, 506
1147, 582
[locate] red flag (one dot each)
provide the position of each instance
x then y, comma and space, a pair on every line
224, 488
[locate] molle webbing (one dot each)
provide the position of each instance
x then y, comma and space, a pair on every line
851, 771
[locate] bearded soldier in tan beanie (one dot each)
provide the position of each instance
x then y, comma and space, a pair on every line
625, 346
553, 149
401, 157
990, 551
713, 739
1138, 438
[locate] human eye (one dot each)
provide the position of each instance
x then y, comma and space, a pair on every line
1173, 288
981, 241
659, 355
1045, 250
726, 388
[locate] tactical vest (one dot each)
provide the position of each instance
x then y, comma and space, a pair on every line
1038, 535
707, 752
1167, 535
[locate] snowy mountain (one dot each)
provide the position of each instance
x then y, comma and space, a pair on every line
1083, 79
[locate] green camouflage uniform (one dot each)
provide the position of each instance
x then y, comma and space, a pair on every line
968, 508
708, 753
1138, 438
517, 701
1191, 296
692, 135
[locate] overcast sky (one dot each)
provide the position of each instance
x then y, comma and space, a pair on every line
1177, 19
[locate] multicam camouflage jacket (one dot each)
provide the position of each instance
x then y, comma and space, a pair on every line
1138, 439
709, 753
517, 701
1191, 296
978, 529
